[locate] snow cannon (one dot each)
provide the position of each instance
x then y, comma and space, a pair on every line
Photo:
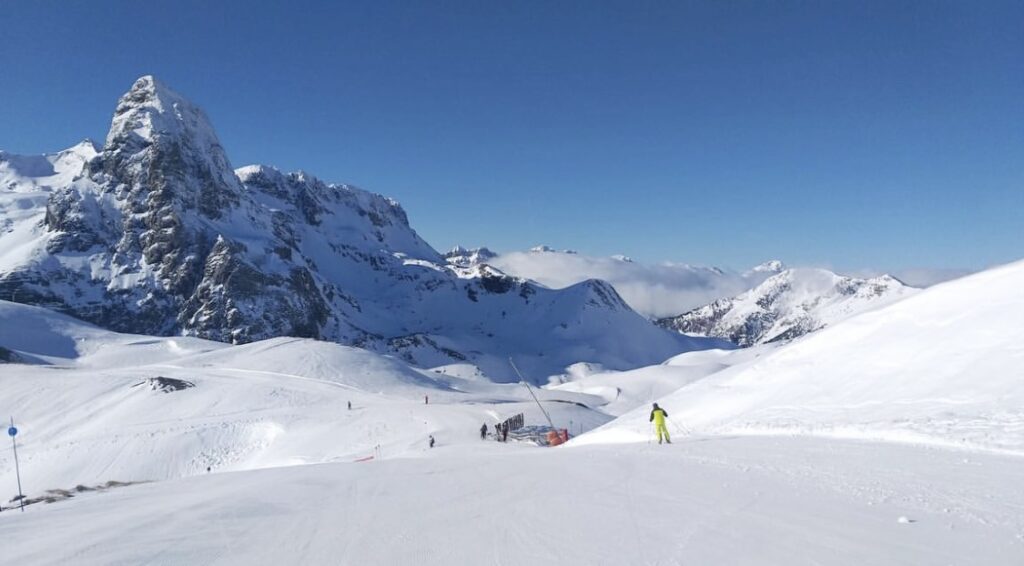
556, 437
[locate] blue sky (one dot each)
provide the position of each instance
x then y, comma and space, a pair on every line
882, 135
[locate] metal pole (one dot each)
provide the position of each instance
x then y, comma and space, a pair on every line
530, 389
17, 469
681, 429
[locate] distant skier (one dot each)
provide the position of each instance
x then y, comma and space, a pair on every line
483, 432
431, 440
350, 405
658, 418
426, 400
504, 432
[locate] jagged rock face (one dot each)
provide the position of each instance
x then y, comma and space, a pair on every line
788, 305
146, 210
156, 234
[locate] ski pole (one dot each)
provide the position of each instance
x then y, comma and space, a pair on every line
12, 432
681, 429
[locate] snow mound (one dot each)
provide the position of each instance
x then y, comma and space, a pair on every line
43, 336
626, 390
324, 361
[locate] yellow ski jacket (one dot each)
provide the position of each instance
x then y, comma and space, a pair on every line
658, 416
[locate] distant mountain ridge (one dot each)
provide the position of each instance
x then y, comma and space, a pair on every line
155, 233
788, 305
653, 290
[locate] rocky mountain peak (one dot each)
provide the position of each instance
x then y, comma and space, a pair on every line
468, 257
787, 305
772, 266
163, 153
149, 110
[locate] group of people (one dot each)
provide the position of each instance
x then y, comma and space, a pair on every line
658, 416
500, 432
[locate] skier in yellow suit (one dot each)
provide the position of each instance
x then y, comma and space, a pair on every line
658, 418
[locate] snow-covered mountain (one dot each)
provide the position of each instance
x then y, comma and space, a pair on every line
157, 234
27, 173
468, 258
769, 267
788, 305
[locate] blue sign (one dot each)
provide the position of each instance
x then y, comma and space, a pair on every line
12, 431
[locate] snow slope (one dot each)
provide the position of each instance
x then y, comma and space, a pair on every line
33, 173
624, 391
944, 367
788, 305
744, 501
89, 412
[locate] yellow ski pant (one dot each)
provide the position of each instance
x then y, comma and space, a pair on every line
662, 431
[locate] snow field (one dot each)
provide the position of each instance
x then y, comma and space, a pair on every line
705, 501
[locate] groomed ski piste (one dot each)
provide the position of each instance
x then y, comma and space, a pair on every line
894, 437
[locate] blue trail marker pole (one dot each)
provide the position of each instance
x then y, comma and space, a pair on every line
12, 432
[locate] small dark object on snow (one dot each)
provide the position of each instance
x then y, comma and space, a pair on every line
166, 384
9, 357
431, 440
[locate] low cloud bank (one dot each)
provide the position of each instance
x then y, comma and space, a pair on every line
664, 289
667, 288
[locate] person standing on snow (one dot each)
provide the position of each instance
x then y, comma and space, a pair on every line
431, 440
483, 432
658, 418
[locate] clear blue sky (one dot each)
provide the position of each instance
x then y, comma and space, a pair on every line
856, 134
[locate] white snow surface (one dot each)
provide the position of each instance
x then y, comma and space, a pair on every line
88, 414
624, 391
742, 501
30, 173
943, 367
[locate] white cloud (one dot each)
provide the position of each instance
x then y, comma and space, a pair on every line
664, 289
667, 288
